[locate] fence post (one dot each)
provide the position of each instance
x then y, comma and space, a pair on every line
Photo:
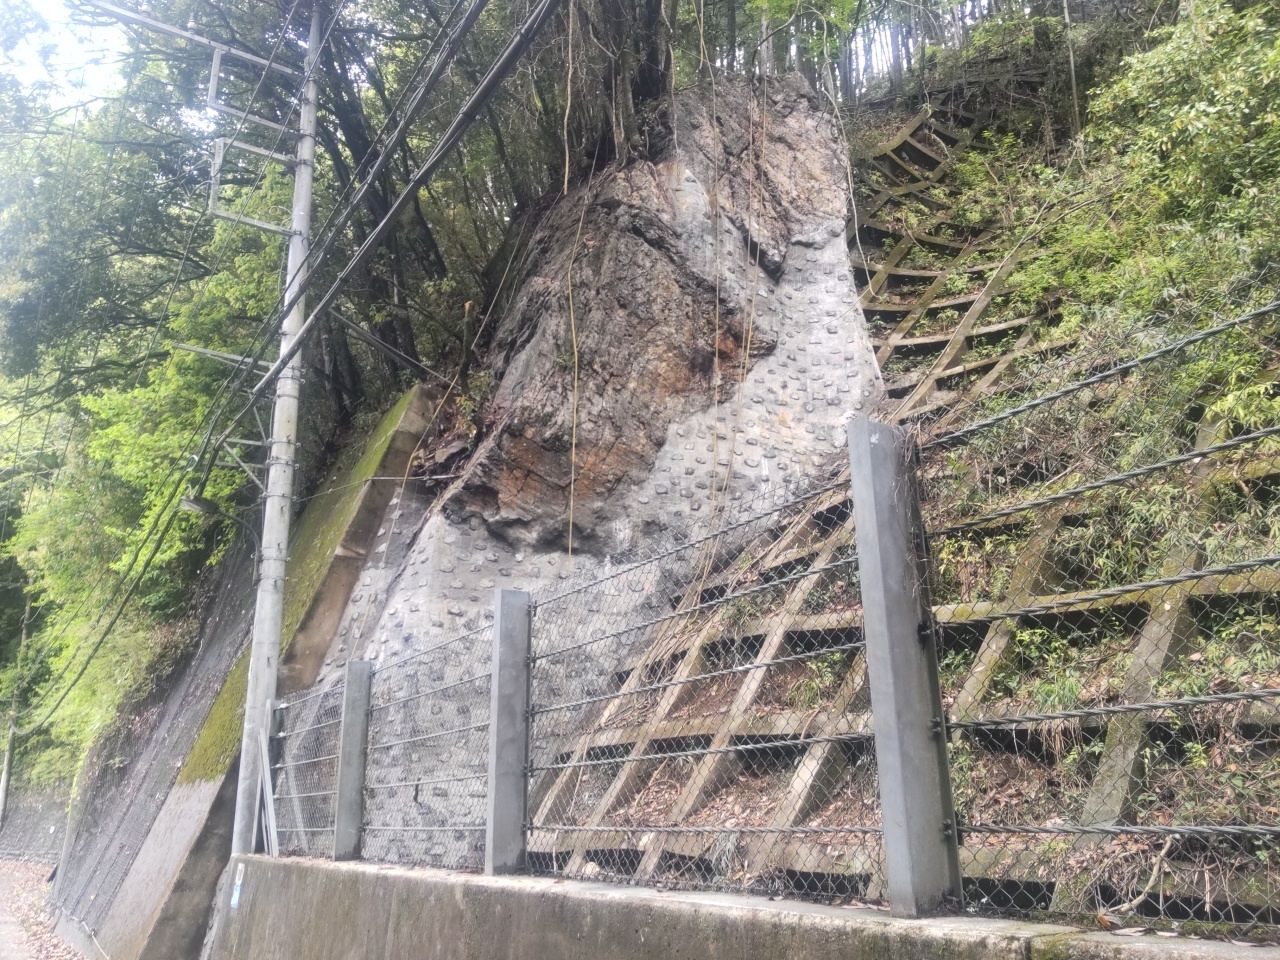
353, 742
504, 847
921, 862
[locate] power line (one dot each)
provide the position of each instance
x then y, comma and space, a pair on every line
260, 178
320, 250
342, 215
950, 439
441, 60
47, 647
49, 644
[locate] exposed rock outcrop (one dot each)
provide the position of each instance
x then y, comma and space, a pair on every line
699, 308
665, 284
719, 348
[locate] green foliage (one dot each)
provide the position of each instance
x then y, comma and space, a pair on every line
1199, 115
822, 675
126, 672
1239, 649
1174, 209
969, 568
1213, 778
953, 667
472, 403
833, 591
1140, 232
1168, 207
1061, 667
1119, 536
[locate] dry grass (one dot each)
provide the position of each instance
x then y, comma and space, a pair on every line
748, 800
853, 802
652, 804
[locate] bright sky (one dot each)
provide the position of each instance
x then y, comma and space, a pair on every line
73, 59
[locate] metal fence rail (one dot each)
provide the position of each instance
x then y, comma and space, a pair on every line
397, 772
702, 719
1077, 715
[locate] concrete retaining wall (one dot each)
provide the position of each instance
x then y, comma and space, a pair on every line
149, 842
310, 910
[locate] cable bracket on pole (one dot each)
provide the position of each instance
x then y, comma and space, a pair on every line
220, 147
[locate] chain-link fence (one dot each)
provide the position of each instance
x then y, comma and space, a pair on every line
701, 718
305, 770
417, 765
1105, 567
34, 823
425, 782
1104, 533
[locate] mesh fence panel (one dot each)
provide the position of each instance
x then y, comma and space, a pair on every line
1103, 533
427, 768
1105, 568
701, 718
306, 770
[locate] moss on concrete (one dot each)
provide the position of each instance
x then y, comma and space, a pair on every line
1054, 946
325, 521
219, 739
318, 534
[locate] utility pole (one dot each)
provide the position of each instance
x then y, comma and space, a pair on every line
6, 773
8, 766
268, 614
277, 502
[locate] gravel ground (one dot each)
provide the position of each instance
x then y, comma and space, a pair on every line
24, 920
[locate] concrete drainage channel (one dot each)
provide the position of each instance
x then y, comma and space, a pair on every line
285, 909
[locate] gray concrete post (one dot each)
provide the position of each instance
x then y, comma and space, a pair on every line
353, 742
504, 847
920, 855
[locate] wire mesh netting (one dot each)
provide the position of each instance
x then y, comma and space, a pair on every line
306, 770
427, 767
1103, 531
1105, 567
701, 718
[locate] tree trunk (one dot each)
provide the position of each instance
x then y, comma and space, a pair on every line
895, 57
731, 38
868, 55
804, 55
340, 372
848, 84
764, 52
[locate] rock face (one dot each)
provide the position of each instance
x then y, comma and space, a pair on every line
719, 350
667, 285
699, 308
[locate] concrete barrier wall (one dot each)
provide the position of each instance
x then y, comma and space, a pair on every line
311, 910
